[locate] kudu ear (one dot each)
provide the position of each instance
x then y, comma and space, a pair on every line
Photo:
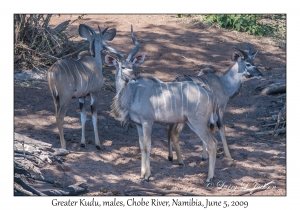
110, 61
236, 57
138, 60
109, 34
84, 32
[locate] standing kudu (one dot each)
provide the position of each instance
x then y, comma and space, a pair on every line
68, 78
223, 88
146, 100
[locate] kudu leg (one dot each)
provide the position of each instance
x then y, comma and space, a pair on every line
175, 133
204, 153
212, 152
144, 132
222, 134
83, 120
201, 130
169, 130
60, 115
94, 103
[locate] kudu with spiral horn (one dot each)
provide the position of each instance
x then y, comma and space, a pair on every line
223, 87
68, 78
126, 65
146, 100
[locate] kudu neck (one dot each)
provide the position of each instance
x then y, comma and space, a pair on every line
120, 83
98, 58
232, 80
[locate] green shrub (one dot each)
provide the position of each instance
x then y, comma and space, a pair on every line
241, 22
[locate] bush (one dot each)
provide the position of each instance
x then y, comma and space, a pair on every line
241, 22
36, 44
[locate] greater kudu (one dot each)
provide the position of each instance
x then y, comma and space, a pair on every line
146, 100
126, 65
68, 78
223, 88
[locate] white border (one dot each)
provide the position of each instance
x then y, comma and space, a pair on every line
171, 7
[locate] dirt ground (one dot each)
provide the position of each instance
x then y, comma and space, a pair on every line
173, 47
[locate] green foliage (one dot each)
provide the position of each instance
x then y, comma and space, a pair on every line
241, 22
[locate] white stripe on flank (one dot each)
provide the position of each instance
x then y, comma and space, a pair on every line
198, 95
181, 99
91, 74
69, 69
207, 95
167, 84
162, 92
59, 72
157, 103
187, 96
87, 76
65, 72
78, 73
174, 91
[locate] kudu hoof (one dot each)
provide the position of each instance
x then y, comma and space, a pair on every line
145, 179
208, 181
204, 159
98, 147
82, 145
170, 158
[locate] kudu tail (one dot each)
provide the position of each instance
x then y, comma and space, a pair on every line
213, 118
52, 85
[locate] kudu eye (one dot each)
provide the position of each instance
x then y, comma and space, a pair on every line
248, 64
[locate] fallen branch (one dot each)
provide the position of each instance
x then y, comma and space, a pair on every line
275, 88
27, 187
282, 130
59, 152
253, 190
21, 190
39, 178
20, 138
162, 192
71, 190
29, 166
26, 165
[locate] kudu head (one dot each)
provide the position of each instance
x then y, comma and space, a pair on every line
97, 41
124, 67
246, 64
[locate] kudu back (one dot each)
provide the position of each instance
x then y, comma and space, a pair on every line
223, 88
68, 78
